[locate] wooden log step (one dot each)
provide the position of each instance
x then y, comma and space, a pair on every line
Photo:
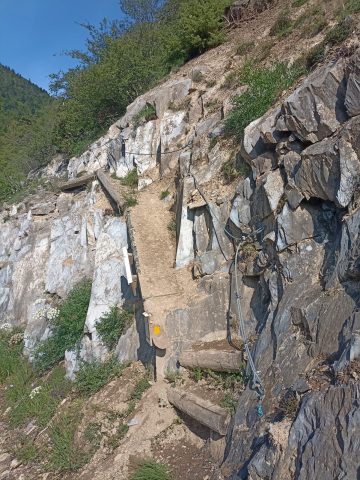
219, 361
113, 192
203, 411
77, 182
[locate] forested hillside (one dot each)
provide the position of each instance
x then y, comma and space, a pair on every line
123, 59
19, 98
27, 115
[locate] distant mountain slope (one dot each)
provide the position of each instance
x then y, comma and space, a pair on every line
19, 98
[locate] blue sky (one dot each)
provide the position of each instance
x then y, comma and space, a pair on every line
33, 33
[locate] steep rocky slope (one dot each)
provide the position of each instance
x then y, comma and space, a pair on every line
293, 217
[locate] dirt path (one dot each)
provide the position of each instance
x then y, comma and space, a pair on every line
163, 287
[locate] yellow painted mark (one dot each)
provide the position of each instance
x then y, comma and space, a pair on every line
157, 330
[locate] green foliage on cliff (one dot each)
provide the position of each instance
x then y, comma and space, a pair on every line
67, 327
264, 87
129, 62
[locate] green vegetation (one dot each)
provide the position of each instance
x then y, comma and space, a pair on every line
114, 440
223, 380
141, 386
283, 25
244, 48
349, 7
145, 115
131, 179
229, 402
299, 3
66, 328
65, 454
151, 470
112, 325
130, 202
231, 171
26, 452
248, 250
172, 226
289, 405
27, 116
149, 47
93, 376
264, 87
335, 36
122, 61
164, 194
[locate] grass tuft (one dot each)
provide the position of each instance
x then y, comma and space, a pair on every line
93, 376
131, 179
151, 470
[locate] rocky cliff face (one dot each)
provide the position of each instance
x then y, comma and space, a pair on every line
297, 218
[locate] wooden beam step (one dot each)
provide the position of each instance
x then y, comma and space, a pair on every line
77, 182
219, 361
203, 411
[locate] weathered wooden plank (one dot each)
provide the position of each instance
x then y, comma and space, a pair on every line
77, 182
111, 190
203, 411
219, 361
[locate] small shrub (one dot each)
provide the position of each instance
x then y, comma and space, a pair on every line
283, 26
131, 179
289, 405
112, 325
164, 194
172, 226
66, 329
197, 76
334, 36
173, 377
197, 374
140, 388
312, 22
264, 50
231, 171
213, 106
130, 202
147, 113
244, 48
350, 7
6, 218
211, 83
151, 470
27, 452
298, 3
314, 56
339, 33
93, 376
231, 80
248, 250
213, 142
265, 86
114, 440
229, 402
179, 105
11, 358
92, 434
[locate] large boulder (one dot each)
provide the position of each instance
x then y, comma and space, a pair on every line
316, 108
330, 169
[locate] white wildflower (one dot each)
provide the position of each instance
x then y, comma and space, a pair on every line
35, 391
5, 326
